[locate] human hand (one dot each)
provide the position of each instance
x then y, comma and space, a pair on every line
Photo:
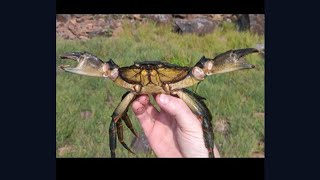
174, 131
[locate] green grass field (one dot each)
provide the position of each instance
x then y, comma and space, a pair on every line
236, 99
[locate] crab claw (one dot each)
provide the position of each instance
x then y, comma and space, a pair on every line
73, 56
90, 65
228, 61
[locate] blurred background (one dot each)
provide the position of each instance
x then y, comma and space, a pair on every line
84, 104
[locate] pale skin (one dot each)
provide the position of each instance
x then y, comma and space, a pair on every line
174, 132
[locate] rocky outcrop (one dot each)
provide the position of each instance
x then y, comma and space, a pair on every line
86, 26
257, 22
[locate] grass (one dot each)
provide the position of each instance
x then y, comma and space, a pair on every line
234, 97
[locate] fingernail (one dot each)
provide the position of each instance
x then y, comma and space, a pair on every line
164, 99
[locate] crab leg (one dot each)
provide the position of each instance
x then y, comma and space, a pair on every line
198, 107
226, 62
116, 116
90, 65
128, 123
126, 118
120, 135
112, 138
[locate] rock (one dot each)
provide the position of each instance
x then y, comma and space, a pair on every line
111, 23
83, 38
229, 18
92, 34
181, 16
216, 17
260, 47
64, 32
188, 16
136, 17
79, 15
118, 24
117, 31
80, 20
101, 22
100, 32
63, 17
243, 22
89, 26
141, 144
85, 114
257, 155
198, 26
73, 21
257, 22
66, 149
79, 26
259, 114
72, 28
222, 126
159, 18
58, 24
252, 22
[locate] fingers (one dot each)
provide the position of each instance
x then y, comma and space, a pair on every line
176, 107
145, 112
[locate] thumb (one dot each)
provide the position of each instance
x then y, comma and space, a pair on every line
177, 108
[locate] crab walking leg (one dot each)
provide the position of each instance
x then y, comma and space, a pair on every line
116, 115
128, 123
198, 107
120, 135
112, 138
126, 118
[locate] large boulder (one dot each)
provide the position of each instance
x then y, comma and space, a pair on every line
140, 144
200, 26
253, 22
158, 18
257, 23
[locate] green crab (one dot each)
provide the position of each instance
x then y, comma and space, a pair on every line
155, 77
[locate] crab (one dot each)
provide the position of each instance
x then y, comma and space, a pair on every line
155, 77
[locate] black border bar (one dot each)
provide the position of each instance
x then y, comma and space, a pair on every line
163, 6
